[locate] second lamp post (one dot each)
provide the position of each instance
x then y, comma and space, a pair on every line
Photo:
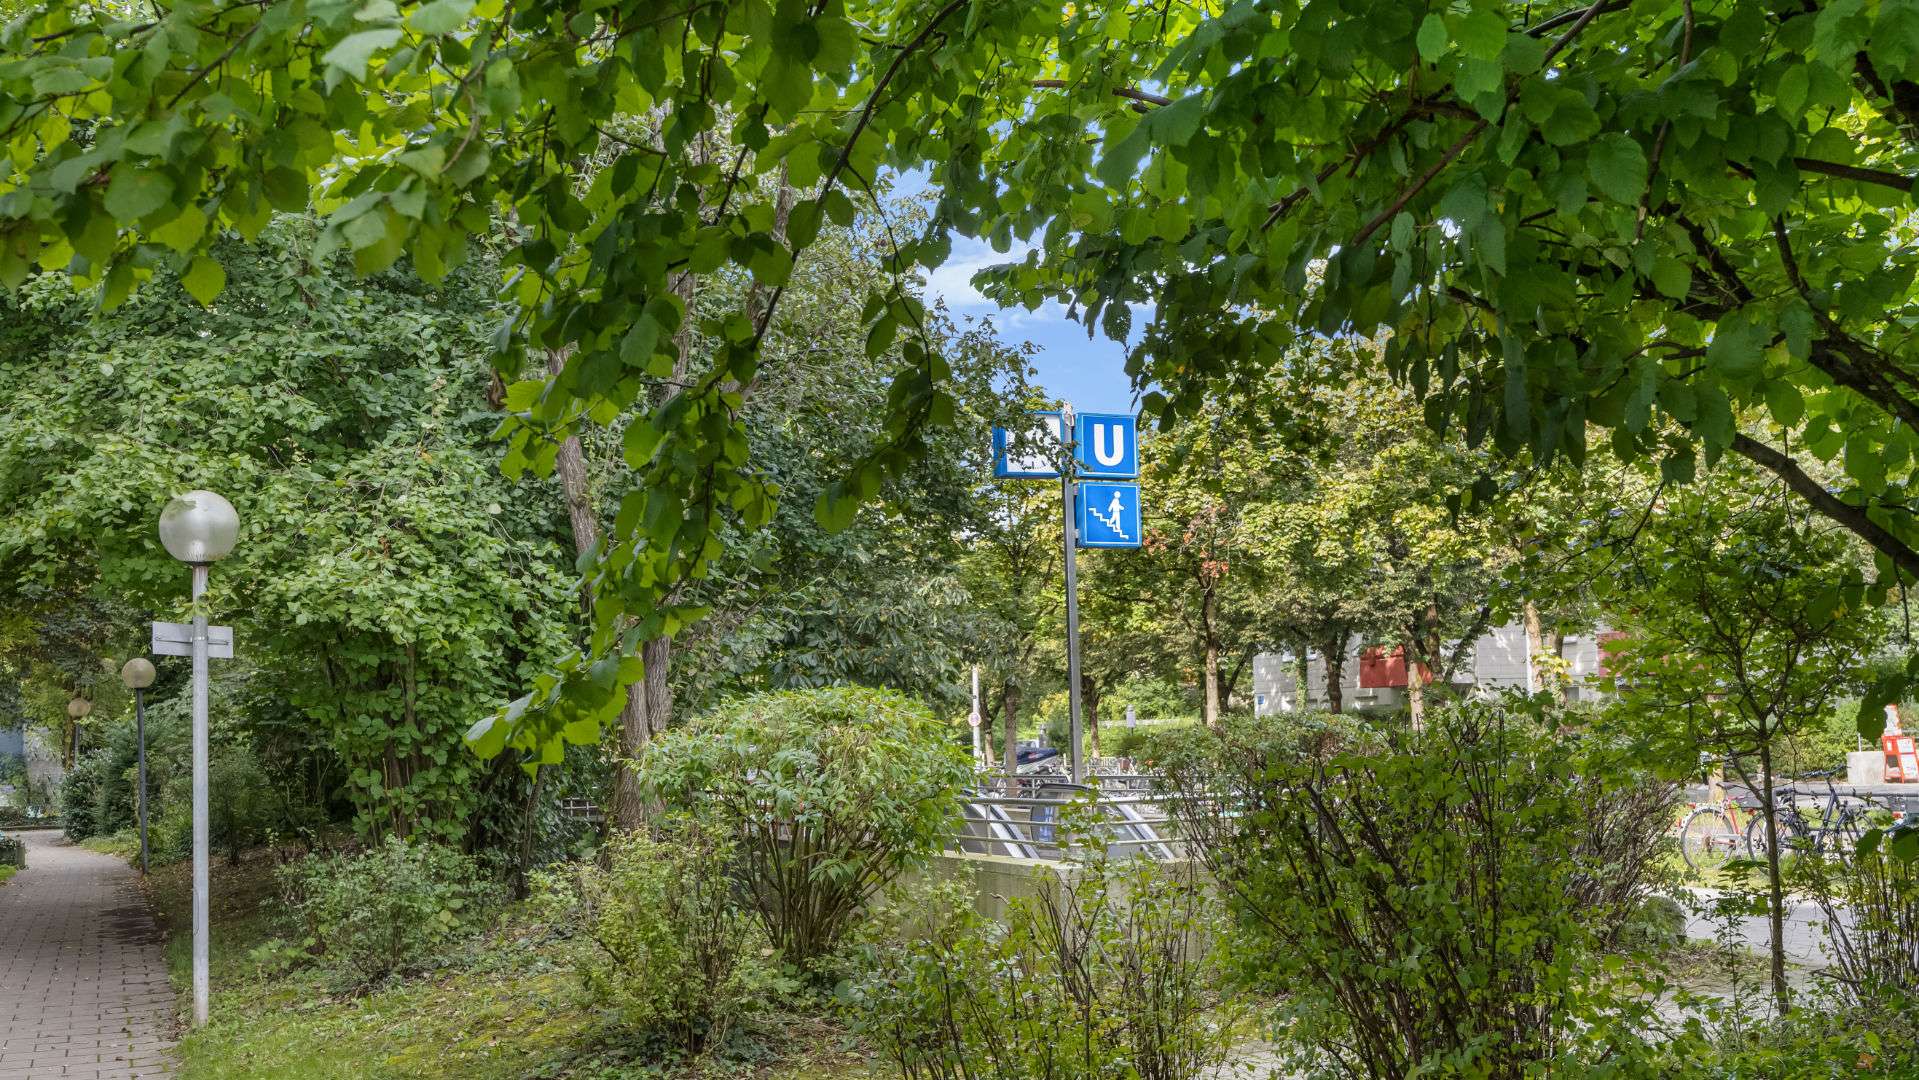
199, 529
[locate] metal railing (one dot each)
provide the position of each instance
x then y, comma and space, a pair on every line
1026, 819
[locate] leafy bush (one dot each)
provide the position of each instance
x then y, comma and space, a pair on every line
388, 910
1432, 902
674, 954
1870, 903
13, 851
1109, 972
829, 795
1823, 1037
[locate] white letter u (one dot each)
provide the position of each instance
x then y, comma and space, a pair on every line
1100, 450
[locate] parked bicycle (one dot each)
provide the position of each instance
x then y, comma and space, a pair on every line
1716, 833
1811, 821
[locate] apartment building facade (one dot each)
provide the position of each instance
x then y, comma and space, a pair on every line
1373, 678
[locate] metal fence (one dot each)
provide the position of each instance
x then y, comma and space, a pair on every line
1027, 818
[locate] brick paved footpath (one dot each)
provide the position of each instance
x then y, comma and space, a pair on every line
83, 980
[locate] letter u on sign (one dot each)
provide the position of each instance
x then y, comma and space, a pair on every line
1108, 445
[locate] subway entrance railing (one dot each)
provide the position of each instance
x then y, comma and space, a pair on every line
1030, 818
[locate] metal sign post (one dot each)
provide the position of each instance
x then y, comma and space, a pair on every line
201, 862
973, 720
140, 724
1103, 447
1070, 540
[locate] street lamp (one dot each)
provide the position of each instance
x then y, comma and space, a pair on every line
77, 710
138, 674
199, 528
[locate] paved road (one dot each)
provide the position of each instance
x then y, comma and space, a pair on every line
83, 982
1805, 929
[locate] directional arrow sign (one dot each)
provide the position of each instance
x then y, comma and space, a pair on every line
1108, 515
1019, 455
176, 639
1107, 445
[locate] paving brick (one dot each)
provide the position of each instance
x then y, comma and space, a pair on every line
83, 982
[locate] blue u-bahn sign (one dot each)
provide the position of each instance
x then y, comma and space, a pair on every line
1107, 446
1029, 455
1108, 515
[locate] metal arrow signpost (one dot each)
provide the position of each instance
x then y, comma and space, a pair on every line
1088, 453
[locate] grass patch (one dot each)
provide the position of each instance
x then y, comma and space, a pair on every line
7, 871
508, 1005
124, 844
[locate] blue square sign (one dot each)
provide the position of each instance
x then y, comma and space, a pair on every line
1021, 455
1107, 445
1108, 515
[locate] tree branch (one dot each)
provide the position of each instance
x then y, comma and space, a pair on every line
1853, 518
1126, 92
1855, 172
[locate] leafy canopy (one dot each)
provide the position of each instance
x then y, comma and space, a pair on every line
1610, 212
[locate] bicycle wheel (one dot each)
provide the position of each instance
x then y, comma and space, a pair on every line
1707, 840
1794, 837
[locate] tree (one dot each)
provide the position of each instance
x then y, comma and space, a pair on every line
394, 582
1193, 579
1744, 621
1012, 569
1358, 539
1569, 212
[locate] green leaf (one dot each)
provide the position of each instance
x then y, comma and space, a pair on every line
1785, 402
353, 52
1481, 34
440, 17
205, 279
1672, 277
1884, 691
1432, 37
136, 191
1617, 167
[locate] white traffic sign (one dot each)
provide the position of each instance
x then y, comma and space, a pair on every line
1108, 515
1022, 455
1107, 446
176, 639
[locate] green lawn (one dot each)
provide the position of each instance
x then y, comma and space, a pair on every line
6, 872
509, 1005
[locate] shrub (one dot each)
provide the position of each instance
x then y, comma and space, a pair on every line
1433, 902
828, 794
1108, 972
673, 952
13, 851
1869, 898
388, 910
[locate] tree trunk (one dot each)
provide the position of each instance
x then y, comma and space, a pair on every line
1211, 676
648, 711
1302, 671
1415, 689
1335, 674
1559, 652
1776, 916
1535, 645
1009, 721
1089, 704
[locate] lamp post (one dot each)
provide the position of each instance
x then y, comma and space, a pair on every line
77, 710
138, 674
199, 528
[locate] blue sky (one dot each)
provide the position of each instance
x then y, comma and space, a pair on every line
1089, 373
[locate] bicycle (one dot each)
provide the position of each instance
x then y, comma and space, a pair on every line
1715, 834
1832, 827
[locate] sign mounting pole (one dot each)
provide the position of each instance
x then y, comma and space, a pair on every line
1068, 534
